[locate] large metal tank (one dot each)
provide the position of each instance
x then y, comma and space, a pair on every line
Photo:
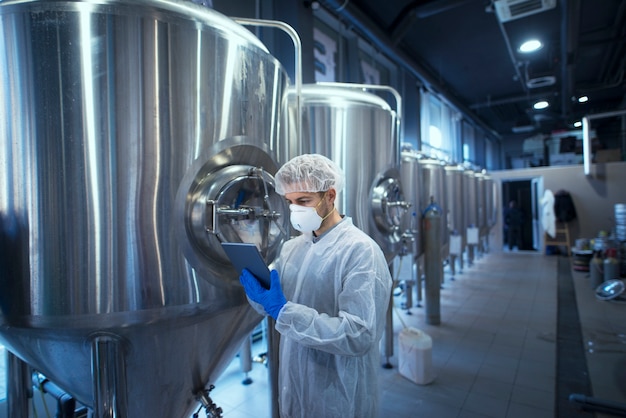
480, 202
412, 188
491, 201
136, 136
454, 198
470, 198
358, 130
433, 179
455, 203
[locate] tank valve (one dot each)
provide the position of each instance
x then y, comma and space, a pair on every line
210, 408
408, 240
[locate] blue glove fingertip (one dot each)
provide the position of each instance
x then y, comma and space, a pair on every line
274, 280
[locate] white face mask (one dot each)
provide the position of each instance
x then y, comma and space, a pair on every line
305, 218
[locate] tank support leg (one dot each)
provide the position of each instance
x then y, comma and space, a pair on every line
245, 360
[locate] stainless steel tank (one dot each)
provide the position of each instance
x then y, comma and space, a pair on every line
136, 136
470, 198
454, 198
480, 202
470, 193
491, 201
358, 130
456, 207
433, 178
412, 188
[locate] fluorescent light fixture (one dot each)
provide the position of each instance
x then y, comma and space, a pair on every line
578, 124
542, 104
583, 99
530, 46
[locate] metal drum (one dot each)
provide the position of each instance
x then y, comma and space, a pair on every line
471, 198
455, 202
136, 136
358, 130
434, 190
491, 202
412, 188
481, 200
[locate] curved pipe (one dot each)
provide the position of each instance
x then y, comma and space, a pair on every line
587, 140
362, 23
295, 38
393, 91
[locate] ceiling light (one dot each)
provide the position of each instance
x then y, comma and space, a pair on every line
541, 104
578, 124
583, 99
530, 46
544, 81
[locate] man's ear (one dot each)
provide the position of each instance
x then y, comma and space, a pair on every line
332, 195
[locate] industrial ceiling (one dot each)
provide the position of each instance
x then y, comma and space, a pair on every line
467, 51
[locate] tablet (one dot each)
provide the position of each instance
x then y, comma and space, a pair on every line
244, 255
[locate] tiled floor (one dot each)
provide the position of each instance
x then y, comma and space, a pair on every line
493, 353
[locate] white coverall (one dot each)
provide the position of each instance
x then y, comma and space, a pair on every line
338, 291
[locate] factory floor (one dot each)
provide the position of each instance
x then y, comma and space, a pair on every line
519, 333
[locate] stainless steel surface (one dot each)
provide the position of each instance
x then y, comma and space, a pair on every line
433, 262
491, 201
412, 187
481, 200
455, 228
358, 130
471, 198
18, 387
433, 178
454, 200
121, 121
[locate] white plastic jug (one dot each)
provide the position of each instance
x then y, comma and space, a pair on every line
415, 356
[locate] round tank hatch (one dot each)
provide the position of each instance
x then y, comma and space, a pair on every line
389, 206
231, 198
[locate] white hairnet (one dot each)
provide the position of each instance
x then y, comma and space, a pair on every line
309, 173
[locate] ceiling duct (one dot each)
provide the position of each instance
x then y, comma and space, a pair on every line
507, 10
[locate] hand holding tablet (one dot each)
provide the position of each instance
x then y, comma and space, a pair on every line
246, 256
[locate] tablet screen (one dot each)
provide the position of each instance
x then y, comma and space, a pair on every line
245, 255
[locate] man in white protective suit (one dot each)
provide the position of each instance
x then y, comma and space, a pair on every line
329, 295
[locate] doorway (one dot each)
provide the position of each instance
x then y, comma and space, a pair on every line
526, 193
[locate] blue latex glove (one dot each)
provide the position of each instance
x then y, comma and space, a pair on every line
272, 299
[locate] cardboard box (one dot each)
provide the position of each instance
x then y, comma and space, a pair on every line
608, 155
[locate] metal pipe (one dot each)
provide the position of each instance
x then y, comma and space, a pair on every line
586, 147
273, 344
570, 28
18, 386
108, 370
587, 140
509, 49
297, 44
245, 359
